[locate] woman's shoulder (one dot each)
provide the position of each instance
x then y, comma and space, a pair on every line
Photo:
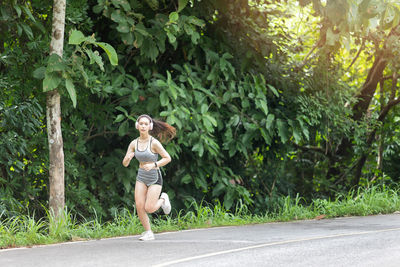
133, 142
154, 140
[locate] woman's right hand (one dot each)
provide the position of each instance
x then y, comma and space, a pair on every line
128, 157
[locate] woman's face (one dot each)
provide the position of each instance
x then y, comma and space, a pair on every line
144, 124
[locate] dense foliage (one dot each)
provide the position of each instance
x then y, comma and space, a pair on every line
264, 95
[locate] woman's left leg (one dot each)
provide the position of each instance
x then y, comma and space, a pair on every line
140, 201
153, 200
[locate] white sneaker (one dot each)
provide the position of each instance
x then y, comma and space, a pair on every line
166, 206
146, 236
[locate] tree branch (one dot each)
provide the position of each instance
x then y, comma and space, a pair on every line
394, 82
132, 53
386, 78
393, 102
90, 131
358, 54
306, 57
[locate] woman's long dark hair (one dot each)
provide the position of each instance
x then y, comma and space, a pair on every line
161, 130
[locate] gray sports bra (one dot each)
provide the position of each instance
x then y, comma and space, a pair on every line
145, 155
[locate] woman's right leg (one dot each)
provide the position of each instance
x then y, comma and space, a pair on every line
140, 200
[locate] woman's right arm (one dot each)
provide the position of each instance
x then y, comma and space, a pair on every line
129, 154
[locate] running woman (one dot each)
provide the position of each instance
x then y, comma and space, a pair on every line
149, 181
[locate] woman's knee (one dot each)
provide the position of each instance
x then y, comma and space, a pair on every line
140, 206
150, 208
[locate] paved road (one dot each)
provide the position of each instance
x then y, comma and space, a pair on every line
352, 241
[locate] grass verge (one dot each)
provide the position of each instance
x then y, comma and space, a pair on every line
24, 230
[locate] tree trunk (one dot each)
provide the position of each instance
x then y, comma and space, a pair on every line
359, 110
371, 138
53, 113
365, 96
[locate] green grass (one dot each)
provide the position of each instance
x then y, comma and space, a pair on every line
25, 231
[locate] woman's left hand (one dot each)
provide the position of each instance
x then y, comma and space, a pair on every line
148, 166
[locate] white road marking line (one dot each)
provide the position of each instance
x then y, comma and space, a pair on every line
198, 229
270, 244
108, 238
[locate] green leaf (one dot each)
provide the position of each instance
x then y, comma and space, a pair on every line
161, 83
127, 38
218, 189
27, 30
226, 97
228, 199
98, 8
266, 136
112, 55
117, 82
173, 92
187, 179
76, 37
118, 17
199, 148
123, 28
171, 38
140, 28
19, 30
95, 57
119, 118
196, 21
304, 128
153, 4
149, 49
40, 27
182, 4
211, 119
122, 110
123, 128
235, 120
201, 182
165, 113
270, 120
28, 12
51, 81
297, 135
39, 73
173, 17
71, 90
125, 5
273, 90
204, 108
263, 105
18, 10
55, 63
164, 100
282, 130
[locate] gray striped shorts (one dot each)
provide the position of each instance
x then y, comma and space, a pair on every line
149, 177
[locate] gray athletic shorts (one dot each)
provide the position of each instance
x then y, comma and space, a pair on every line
149, 177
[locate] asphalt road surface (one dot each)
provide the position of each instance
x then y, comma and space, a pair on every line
351, 241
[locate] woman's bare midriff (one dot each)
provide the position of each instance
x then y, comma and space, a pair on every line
141, 164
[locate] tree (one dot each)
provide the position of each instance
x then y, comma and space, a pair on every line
53, 113
375, 27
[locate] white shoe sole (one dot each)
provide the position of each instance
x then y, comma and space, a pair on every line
145, 237
166, 206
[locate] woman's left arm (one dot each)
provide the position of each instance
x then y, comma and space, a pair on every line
165, 157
